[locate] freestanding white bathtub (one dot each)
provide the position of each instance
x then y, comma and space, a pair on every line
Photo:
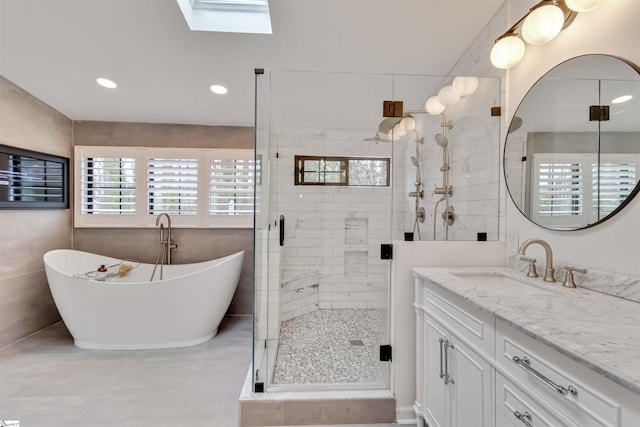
130, 313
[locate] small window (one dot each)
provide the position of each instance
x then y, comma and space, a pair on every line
32, 180
344, 171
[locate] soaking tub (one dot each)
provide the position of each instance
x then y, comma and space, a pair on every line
123, 309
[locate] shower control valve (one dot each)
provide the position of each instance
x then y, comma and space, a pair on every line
443, 190
419, 194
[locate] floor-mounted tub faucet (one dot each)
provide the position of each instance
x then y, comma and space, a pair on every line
165, 239
549, 271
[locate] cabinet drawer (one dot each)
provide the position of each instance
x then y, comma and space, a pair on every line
468, 322
516, 407
540, 368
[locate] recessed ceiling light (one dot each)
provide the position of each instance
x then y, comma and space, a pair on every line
219, 90
621, 99
109, 84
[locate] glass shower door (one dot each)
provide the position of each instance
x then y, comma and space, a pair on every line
330, 193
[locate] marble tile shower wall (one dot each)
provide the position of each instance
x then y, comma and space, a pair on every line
336, 231
474, 155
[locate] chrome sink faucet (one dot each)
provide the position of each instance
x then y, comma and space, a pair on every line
549, 271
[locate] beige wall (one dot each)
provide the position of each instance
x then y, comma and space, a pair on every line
25, 301
193, 244
26, 304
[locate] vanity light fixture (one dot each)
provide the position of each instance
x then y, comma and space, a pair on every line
218, 89
540, 25
621, 99
109, 84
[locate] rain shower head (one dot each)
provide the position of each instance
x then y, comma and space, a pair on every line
441, 140
516, 123
376, 138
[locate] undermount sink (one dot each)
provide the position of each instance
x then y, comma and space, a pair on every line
500, 283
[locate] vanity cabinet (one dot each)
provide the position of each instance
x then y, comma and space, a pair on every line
479, 370
562, 385
457, 375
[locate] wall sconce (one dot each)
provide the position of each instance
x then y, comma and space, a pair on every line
540, 25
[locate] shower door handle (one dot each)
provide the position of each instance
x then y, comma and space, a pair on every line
281, 230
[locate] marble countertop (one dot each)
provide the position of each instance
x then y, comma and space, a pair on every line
597, 330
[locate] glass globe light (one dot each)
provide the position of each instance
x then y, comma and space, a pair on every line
583, 5
398, 131
464, 86
408, 124
392, 135
433, 106
543, 24
447, 96
507, 52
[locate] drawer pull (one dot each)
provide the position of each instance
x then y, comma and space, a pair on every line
525, 363
447, 379
441, 357
525, 418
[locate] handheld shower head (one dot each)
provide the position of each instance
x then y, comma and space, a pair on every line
441, 140
414, 161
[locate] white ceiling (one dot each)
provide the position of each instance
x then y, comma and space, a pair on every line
55, 49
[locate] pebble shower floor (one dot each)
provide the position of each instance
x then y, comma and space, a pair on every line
332, 346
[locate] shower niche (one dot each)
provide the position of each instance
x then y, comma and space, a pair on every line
347, 180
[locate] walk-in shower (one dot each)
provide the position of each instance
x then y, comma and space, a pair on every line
330, 201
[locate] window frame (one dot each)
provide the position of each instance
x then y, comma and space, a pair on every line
141, 217
36, 155
299, 171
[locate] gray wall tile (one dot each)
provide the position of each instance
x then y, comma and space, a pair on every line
25, 301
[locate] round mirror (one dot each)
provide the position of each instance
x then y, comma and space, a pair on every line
572, 154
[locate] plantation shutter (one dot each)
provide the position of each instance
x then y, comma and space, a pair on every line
172, 186
613, 182
34, 180
558, 193
132, 186
108, 186
231, 183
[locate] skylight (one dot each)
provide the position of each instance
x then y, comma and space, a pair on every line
230, 16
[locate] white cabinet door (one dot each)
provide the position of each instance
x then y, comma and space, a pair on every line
471, 387
436, 399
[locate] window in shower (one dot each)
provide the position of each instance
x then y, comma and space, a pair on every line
342, 171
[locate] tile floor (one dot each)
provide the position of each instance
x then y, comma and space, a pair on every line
332, 346
45, 381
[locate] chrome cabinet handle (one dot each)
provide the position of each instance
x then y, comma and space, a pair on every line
441, 351
447, 378
525, 362
525, 418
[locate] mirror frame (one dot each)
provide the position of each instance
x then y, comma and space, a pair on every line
514, 123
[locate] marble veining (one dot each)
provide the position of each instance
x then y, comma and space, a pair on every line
594, 329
